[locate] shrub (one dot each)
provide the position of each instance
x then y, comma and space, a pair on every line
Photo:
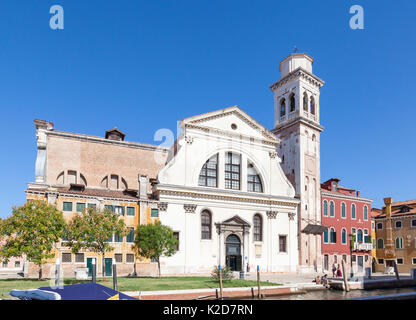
227, 273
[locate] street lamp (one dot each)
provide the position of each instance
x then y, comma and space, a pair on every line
350, 238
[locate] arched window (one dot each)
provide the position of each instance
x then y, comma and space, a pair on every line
282, 107
326, 236
205, 225
60, 178
343, 210
232, 171
312, 105
253, 179
325, 208
380, 244
360, 235
344, 236
331, 209
333, 235
399, 243
365, 213
292, 102
305, 101
209, 172
258, 228
83, 180
353, 216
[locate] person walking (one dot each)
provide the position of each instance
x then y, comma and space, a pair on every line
339, 273
334, 270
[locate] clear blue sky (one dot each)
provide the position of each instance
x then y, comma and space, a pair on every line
143, 65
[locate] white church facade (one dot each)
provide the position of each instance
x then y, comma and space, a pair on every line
225, 194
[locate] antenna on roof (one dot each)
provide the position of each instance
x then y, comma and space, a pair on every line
295, 49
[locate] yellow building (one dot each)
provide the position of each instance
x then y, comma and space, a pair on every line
395, 229
76, 171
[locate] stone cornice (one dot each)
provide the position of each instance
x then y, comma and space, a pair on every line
128, 144
273, 141
344, 196
226, 195
294, 121
298, 73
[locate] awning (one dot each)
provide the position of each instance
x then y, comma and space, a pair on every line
314, 229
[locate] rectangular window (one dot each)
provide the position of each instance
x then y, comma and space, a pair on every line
282, 243
118, 257
67, 206
92, 206
413, 224
232, 171
399, 260
130, 258
109, 207
176, 235
79, 258
66, 257
366, 258
130, 236
80, 207
154, 213
335, 258
344, 257
380, 261
17, 264
131, 211
4, 264
398, 224
119, 210
414, 261
118, 238
354, 258
380, 226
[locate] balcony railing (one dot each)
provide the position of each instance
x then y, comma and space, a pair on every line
362, 246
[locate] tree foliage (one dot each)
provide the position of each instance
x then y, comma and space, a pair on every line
32, 230
154, 241
227, 273
92, 229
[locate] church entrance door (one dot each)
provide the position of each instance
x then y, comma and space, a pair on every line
233, 252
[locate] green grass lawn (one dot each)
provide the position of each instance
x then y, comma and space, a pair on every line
134, 284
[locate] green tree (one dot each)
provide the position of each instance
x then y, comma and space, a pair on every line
92, 229
154, 241
32, 230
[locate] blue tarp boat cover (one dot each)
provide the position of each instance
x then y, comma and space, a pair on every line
88, 291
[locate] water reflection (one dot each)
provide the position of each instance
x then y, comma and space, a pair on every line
340, 295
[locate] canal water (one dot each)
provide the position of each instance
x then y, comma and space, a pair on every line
340, 295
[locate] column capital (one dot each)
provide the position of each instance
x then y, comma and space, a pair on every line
291, 215
189, 208
271, 214
162, 206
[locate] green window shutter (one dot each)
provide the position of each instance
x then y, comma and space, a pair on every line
109, 207
118, 238
67, 206
131, 211
80, 207
92, 206
130, 236
154, 213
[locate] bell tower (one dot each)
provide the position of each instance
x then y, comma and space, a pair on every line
296, 123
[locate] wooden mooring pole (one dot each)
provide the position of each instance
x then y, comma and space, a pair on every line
219, 267
396, 271
346, 286
258, 283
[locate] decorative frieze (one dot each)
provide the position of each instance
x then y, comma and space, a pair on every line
189, 139
162, 206
273, 154
189, 208
271, 214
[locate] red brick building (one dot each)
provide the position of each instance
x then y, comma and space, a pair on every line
345, 212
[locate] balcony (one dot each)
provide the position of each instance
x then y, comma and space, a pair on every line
362, 246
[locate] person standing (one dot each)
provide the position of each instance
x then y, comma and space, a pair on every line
334, 270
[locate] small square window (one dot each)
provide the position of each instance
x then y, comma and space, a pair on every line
17, 264
130, 258
80, 207
380, 261
413, 223
344, 257
414, 261
118, 257
79, 258
154, 213
67, 206
119, 210
399, 261
66, 257
5, 264
398, 224
131, 211
380, 226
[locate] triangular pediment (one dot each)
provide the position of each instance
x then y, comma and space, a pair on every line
232, 120
236, 220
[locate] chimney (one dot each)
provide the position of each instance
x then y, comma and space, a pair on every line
115, 134
358, 193
142, 186
389, 251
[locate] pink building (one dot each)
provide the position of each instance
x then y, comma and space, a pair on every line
345, 213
